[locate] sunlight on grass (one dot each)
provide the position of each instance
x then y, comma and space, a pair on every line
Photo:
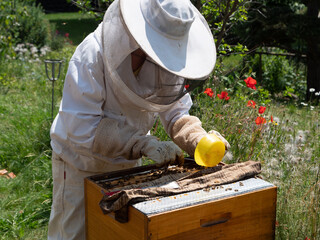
76, 25
68, 16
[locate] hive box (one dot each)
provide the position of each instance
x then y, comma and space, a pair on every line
242, 210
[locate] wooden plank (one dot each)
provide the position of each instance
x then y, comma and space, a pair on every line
100, 226
247, 216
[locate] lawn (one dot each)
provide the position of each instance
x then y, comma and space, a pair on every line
76, 25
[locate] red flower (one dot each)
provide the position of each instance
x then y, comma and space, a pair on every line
262, 109
186, 86
223, 95
66, 35
260, 120
271, 119
251, 103
209, 92
250, 82
307, 238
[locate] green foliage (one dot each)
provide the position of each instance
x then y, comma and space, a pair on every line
94, 8
25, 116
280, 75
22, 23
221, 16
28, 199
32, 26
26, 23
287, 148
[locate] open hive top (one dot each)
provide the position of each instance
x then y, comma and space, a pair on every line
150, 176
146, 176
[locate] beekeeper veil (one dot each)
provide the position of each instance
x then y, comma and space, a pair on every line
177, 41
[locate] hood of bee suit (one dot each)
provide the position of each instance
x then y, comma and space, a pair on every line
120, 38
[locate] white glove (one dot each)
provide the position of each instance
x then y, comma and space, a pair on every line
162, 153
221, 138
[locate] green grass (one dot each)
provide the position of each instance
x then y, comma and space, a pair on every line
289, 151
25, 116
76, 24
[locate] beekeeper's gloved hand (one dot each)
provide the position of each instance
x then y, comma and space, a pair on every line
226, 143
114, 139
162, 152
187, 132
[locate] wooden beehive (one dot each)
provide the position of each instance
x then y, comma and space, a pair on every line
230, 214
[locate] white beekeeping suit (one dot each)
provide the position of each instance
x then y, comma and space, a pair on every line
107, 110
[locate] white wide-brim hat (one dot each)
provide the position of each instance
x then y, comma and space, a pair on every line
173, 33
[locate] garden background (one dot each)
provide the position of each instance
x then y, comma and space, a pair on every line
263, 96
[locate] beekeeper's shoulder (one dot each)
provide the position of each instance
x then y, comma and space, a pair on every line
89, 50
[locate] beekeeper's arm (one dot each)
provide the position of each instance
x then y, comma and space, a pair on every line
185, 130
116, 139
88, 132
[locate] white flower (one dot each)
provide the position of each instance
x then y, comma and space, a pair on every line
300, 137
276, 119
317, 93
33, 50
274, 163
289, 148
311, 108
311, 90
44, 50
304, 104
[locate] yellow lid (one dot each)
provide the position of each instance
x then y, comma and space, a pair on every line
209, 151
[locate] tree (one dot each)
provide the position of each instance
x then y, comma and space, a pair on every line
292, 25
313, 46
220, 14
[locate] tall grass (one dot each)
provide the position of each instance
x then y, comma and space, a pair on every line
288, 149
25, 116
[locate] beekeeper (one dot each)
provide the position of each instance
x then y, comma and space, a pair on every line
139, 64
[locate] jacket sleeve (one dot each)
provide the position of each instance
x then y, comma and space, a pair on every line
179, 109
184, 130
81, 108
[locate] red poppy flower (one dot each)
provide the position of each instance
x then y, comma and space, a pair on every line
186, 86
250, 82
209, 92
223, 95
251, 103
271, 119
262, 109
260, 120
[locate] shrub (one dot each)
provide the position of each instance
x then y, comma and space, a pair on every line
22, 22
34, 28
280, 75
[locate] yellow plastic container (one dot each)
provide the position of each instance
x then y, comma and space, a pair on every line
209, 151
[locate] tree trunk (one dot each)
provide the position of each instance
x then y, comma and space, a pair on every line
313, 68
313, 53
